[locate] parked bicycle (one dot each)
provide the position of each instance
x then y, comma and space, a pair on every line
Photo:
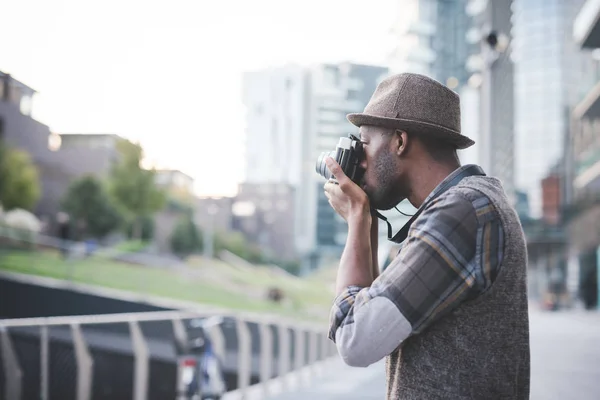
200, 371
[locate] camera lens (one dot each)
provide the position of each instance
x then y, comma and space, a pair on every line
321, 167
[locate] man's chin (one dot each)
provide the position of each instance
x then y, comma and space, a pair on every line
383, 205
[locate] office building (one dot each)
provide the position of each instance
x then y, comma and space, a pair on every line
276, 119
584, 167
293, 114
491, 72
414, 30
336, 90
548, 71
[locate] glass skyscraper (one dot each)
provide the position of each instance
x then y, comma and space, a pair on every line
548, 68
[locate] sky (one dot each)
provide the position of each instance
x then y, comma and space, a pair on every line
168, 73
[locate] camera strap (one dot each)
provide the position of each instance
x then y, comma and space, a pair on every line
471, 170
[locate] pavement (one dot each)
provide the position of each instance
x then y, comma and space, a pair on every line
565, 364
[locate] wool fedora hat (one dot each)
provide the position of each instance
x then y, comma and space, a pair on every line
416, 104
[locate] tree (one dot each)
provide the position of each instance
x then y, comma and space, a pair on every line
19, 180
186, 238
88, 200
134, 187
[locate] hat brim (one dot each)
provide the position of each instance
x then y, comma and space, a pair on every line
443, 133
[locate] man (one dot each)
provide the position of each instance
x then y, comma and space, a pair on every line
450, 312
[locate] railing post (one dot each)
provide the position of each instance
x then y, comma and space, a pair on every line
312, 352
244, 356
13, 376
299, 355
44, 362
218, 340
84, 364
324, 352
142, 362
266, 356
284, 354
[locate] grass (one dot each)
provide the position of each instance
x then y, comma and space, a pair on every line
206, 282
130, 246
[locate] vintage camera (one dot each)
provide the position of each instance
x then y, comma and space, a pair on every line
348, 154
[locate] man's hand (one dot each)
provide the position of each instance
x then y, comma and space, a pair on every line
345, 196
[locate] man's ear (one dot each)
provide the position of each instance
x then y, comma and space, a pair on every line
400, 142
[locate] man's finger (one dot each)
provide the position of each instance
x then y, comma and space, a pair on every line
336, 171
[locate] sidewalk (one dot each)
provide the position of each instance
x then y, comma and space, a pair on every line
333, 381
343, 383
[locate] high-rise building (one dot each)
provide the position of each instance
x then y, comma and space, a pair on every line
414, 30
549, 69
276, 124
493, 76
583, 273
293, 115
430, 40
336, 90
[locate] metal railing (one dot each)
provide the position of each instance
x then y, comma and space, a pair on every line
279, 363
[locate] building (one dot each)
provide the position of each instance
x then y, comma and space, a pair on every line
293, 114
583, 212
492, 74
276, 117
19, 130
549, 71
449, 43
177, 183
74, 156
335, 91
431, 40
414, 30
60, 158
87, 153
264, 214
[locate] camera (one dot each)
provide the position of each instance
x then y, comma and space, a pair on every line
348, 154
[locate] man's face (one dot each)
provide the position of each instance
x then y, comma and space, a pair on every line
382, 178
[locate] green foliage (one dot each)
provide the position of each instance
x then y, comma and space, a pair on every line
186, 239
132, 246
293, 267
134, 187
19, 180
176, 205
237, 244
145, 226
88, 200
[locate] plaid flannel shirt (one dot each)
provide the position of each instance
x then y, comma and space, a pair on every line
452, 254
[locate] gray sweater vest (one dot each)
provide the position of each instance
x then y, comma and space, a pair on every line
480, 350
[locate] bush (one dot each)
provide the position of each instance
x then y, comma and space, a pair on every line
186, 239
237, 244
19, 179
87, 200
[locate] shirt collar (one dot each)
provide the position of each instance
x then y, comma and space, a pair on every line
439, 187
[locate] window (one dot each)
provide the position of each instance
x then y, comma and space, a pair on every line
25, 105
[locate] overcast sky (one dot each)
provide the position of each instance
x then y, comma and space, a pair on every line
168, 73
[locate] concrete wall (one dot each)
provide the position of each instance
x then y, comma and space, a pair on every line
24, 300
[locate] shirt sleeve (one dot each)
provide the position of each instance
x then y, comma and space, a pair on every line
435, 271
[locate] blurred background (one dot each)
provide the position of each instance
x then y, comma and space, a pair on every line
161, 157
